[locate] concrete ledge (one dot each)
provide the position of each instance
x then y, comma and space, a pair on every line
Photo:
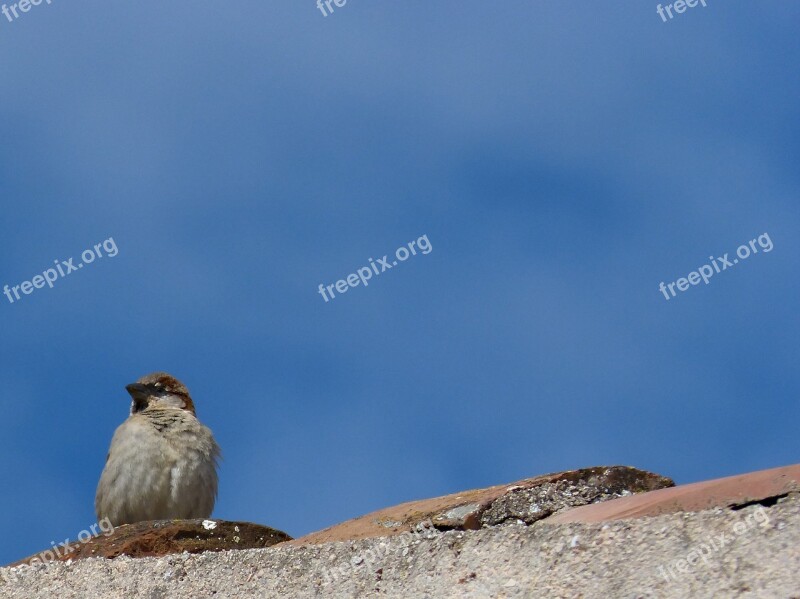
720, 553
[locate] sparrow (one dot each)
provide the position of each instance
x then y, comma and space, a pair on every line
162, 463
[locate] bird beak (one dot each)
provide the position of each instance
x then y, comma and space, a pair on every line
138, 392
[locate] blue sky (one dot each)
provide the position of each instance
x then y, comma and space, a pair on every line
563, 160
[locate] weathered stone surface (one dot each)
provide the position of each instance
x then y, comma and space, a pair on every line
528, 504
163, 537
631, 559
764, 486
524, 501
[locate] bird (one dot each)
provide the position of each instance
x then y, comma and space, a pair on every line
162, 463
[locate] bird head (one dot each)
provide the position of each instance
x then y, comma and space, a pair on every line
159, 390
